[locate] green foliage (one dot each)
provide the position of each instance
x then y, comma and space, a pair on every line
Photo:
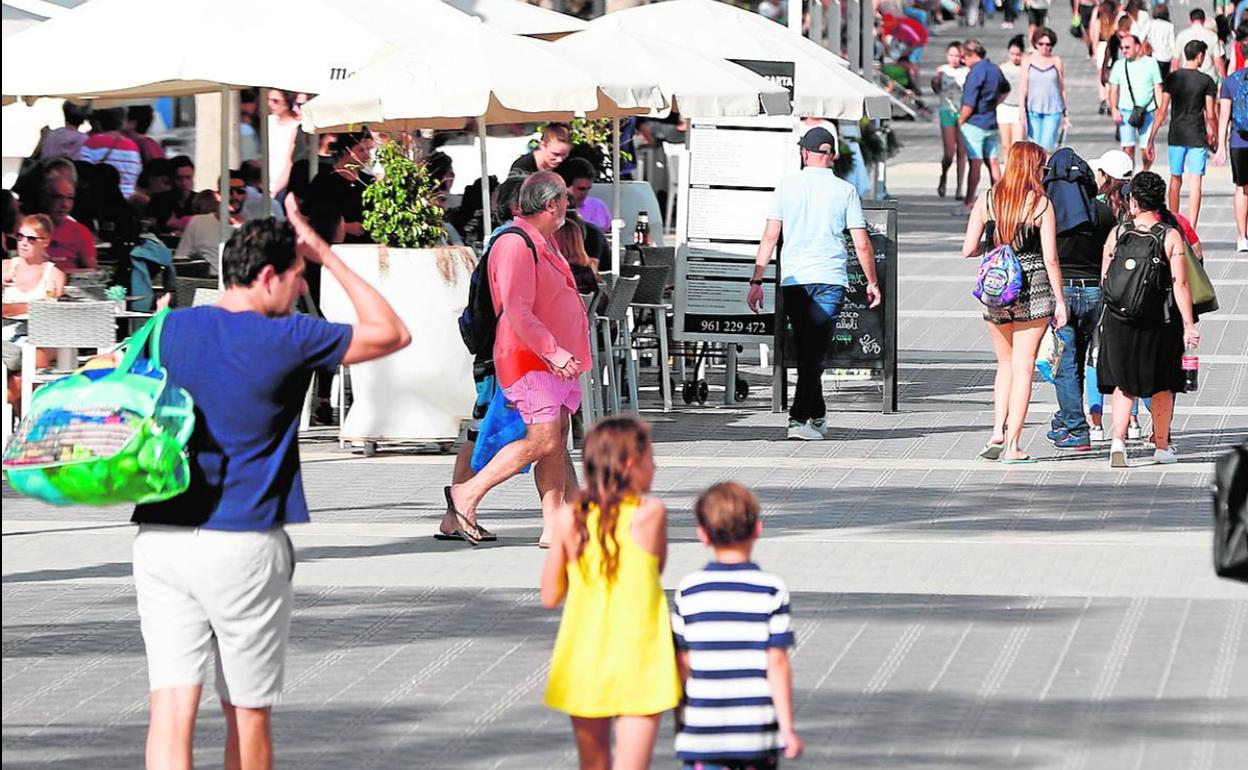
398, 205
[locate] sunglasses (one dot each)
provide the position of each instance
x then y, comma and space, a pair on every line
28, 238
1047, 43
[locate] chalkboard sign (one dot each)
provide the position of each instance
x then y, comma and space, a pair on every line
863, 337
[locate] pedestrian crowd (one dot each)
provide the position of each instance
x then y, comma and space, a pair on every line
1095, 260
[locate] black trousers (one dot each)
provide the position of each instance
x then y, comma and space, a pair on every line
812, 309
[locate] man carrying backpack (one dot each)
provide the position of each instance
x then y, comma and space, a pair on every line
1233, 134
541, 346
1083, 225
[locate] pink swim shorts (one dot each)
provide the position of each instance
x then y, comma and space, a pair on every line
540, 395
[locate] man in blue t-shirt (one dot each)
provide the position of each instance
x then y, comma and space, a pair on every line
985, 86
813, 208
213, 566
1232, 102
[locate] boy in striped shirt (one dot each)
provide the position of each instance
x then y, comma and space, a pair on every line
731, 625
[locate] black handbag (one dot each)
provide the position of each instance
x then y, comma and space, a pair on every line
1230, 514
1138, 114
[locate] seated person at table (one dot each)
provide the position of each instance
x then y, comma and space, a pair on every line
202, 238
258, 205
73, 244
28, 276
552, 150
570, 240
171, 209
157, 178
579, 176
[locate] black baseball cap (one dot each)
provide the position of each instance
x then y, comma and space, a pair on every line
814, 140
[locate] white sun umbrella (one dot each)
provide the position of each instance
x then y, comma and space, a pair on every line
519, 18
823, 85
485, 75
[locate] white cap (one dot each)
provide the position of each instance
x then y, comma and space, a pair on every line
1115, 164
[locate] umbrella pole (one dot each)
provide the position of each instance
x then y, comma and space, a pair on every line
266, 183
223, 208
617, 224
486, 225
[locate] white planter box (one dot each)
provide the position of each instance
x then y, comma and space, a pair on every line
424, 392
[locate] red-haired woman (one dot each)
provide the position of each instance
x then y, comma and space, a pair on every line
1017, 212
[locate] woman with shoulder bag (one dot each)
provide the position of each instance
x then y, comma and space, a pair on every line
1017, 212
1142, 345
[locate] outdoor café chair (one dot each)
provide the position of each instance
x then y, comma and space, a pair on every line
648, 302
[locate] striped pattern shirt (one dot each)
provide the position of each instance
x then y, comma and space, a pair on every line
727, 616
120, 153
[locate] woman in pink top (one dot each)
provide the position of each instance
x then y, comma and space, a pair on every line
540, 348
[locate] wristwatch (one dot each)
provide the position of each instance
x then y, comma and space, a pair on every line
756, 281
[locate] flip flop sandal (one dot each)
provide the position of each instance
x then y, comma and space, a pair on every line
467, 530
1024, 460
456, 535
991, 451
486, 536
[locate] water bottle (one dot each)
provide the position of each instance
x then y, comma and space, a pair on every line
1191, 371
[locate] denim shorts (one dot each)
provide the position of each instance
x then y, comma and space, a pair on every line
981, 143
1188, 160
1130, 136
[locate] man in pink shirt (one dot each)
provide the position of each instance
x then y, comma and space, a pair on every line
540, 348
73, 245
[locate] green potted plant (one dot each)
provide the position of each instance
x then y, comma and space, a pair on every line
423, 392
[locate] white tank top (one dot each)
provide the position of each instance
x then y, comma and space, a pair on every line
16, 296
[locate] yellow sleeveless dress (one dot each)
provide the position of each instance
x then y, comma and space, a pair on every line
614, 655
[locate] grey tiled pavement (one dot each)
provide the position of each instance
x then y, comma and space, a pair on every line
949, 613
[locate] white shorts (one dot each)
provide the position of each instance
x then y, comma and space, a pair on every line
1007, 114
229, 593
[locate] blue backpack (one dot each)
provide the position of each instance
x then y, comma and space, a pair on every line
1239, 101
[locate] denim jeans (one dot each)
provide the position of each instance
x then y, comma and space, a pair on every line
812, 309
1083, 308
1042, 128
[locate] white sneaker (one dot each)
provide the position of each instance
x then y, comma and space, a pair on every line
803, 431
1134, 432
1117, 454
1241, 244
820, 424
1165, 456
1096, 434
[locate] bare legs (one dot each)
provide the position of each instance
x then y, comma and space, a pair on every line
545, 445
954, 150
973, 174
248, 738
1015, 345
1241, 212
634, 742
171, 732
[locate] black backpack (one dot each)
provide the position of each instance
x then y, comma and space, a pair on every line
1230, 514
479, 323
1137, 286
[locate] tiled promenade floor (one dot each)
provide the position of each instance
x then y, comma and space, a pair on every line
949, 613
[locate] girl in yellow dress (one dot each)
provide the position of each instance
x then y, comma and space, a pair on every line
614, 658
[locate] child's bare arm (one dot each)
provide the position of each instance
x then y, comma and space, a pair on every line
780, 678
682, 665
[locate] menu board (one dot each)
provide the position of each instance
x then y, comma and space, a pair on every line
733, 168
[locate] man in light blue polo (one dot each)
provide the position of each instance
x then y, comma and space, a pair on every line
984, 88
813, 208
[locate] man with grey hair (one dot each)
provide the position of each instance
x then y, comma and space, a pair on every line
541, 345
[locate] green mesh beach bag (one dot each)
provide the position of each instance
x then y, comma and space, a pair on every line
106, 436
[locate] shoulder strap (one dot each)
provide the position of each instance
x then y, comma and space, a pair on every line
988, 205
520, 232
138, 342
